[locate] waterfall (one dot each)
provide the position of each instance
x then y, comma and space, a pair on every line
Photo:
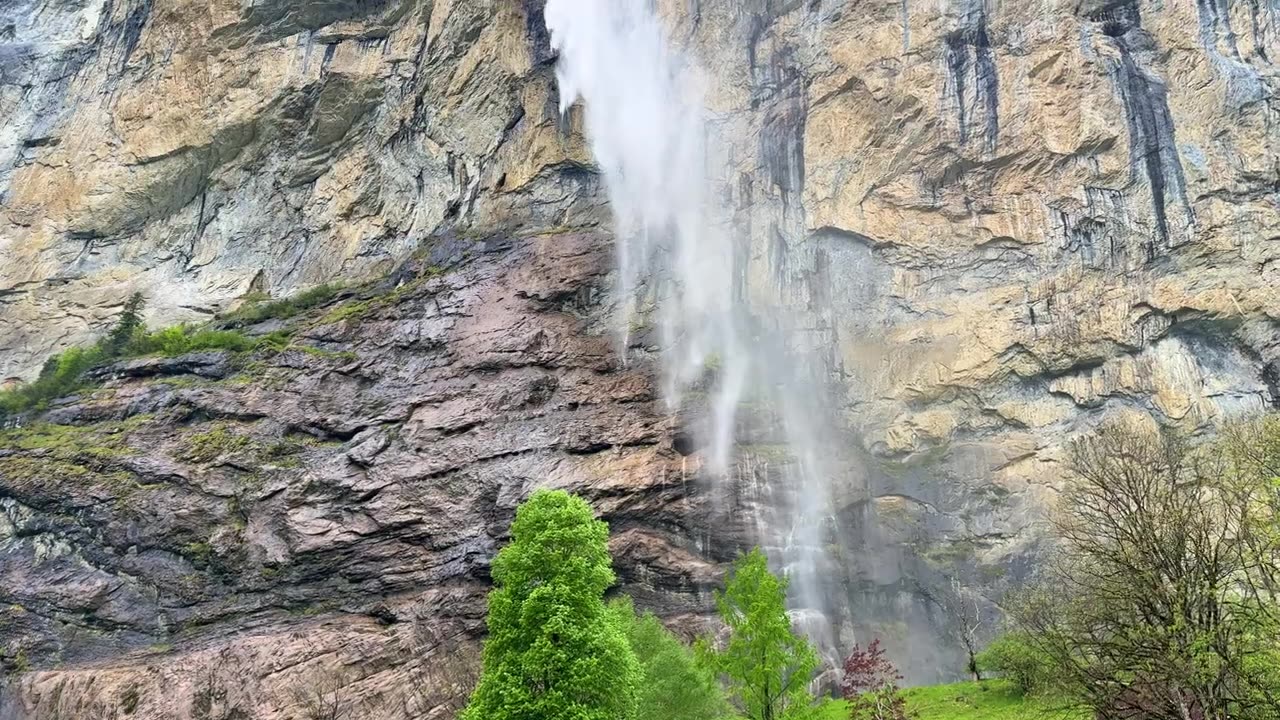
682, 262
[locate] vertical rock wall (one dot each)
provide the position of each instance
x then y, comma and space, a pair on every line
1005, 223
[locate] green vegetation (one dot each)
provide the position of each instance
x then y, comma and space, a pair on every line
1162, 596
61, 375
212, 444
554, 651
69, 442
988, 700
183, 339
557, 652
1019, 662
67, 373
261, 308
673, 684
766, 665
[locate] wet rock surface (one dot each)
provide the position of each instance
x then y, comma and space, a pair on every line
1007, 222
331, 508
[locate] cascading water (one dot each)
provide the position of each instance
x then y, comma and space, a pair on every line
680, 257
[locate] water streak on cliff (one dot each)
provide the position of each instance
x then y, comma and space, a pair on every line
646, 120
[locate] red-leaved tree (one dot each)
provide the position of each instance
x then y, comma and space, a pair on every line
870, 684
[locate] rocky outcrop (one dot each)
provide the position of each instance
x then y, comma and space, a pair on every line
217, 537
197, 151
1005, 222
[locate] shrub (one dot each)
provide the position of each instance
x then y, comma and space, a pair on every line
62, 375
1161, 597
256, 311
870, 685
673, 684
183, 339
1017, 660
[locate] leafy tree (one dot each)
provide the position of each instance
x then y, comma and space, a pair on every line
870, 685
768, 667
1016, 659
126, 327
673, 684
554, 651
1158, 602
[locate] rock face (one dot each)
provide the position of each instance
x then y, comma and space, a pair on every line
325, 515
1006, 221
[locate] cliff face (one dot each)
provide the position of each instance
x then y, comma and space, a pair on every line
1006, 222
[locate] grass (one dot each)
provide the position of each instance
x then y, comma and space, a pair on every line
262, 308
68, 373
989, 700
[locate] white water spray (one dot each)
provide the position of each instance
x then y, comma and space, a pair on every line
646, 120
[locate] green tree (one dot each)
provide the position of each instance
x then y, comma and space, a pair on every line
767, 665
673, 684
126, 327
554, 651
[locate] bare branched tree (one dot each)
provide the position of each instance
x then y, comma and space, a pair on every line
964, 616
327, 696
1160, 602
444, 669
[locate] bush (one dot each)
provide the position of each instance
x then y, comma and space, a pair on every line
183, 339
61, 375
1161, 599
673, 685
870, 685
256, 311
1015, 659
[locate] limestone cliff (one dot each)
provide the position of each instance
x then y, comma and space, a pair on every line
1008, 221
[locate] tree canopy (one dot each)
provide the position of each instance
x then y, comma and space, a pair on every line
554, 651
766, 664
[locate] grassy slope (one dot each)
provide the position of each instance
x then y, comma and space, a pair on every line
992, 700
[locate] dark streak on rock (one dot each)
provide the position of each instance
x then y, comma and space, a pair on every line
131, 32
1271, 378
968, 51
780, 86
536, 27
1215, 19
1153, 149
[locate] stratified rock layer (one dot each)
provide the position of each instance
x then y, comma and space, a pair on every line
256, 527
1005, 223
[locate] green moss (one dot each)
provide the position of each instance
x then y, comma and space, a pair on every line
20, 468
68, 442
282, 454
208, 446
277, 340
339, 356
347, 311
20, 664
199, 553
